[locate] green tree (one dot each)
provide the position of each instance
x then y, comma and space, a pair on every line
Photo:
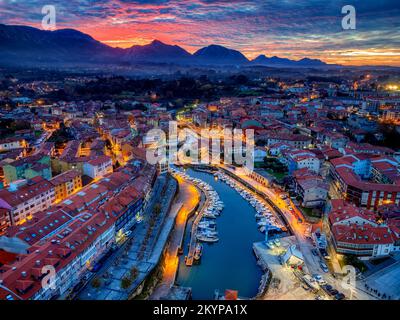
126, 282
157, 209
96, 283
134, 273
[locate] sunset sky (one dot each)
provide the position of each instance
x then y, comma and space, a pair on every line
285, 28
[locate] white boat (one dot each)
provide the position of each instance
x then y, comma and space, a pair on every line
204, 238
277, 242
209, 215
264, 222
207, 224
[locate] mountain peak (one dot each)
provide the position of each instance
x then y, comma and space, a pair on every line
156, 42
285, 62
157, 51
214, 53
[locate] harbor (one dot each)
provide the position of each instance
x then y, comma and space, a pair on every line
223, 235
203, 228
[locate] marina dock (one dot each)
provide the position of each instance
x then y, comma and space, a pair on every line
193, 241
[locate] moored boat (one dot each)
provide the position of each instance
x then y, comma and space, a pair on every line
204, 238
198, 252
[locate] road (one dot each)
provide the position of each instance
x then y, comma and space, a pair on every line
188, 198
312, 263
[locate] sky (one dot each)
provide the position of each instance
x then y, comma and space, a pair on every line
286, 28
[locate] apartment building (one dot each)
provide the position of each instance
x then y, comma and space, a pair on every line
8, 144
364, 180
359, 232
27, 168
73, 236
26, 197
98, 167
66, 184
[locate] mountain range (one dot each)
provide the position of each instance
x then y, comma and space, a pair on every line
22, 45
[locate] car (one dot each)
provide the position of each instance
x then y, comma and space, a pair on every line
333, 292
96, 267
128, 233
321, 282
327, 287
324, 267
319, 279
314, 252
340, 296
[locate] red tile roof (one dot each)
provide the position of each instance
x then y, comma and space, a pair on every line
100, 160
6, 257
342, 210
33, 188
365, 234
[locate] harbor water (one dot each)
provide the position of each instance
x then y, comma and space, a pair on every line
229, 263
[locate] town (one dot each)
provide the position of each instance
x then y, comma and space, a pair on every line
200, 158
78, 194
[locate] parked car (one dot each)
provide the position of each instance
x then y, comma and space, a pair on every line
319, 279
340, 296
327, 288
128, 233
314, 252
333, 292
324, 267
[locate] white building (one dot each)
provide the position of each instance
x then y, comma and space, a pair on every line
25, 198
98, 168
12, 143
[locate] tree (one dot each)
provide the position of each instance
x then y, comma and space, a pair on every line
126, 282
96, 283
157, 209
134, 273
